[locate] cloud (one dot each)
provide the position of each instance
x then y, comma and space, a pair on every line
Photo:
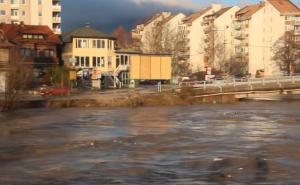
174, 3
106, 15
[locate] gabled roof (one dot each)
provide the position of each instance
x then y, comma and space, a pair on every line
218, 13
222, 11
248, 11
14, 33
191, 18
285, 7
85, 32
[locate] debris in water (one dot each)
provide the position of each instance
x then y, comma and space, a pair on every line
218, 159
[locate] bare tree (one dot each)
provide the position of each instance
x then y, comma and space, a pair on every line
18, 77
123, 38
215, 49
237, 67
286, 52
160, 39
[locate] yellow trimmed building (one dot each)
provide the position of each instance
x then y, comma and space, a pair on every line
93, 55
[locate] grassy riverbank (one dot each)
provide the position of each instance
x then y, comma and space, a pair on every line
185, 97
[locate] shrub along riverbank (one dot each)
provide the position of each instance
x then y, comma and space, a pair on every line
185, 97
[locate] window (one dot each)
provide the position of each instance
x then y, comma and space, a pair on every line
1, 1
14, 1
49, 53
109, 62
39, 2
97, 44
25, 52
23, 13
102, 62
103, 43
2, 12
38, 53
84, 61
14, 12
40, 13
77, 60
23, 1
87, 61
82, 43
97, 62
94, 43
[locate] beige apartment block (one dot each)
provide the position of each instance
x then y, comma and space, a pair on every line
140, 32
194, 33
218, 47
32, 12
162, 24
258, 27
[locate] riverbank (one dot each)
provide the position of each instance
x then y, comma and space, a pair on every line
187, 96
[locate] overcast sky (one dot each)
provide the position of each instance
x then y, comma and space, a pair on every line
108, 14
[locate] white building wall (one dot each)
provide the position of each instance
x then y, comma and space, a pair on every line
265, 28
257, 49
32, 13
196, 41
224, 31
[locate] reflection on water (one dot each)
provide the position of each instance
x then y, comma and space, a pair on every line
246, 143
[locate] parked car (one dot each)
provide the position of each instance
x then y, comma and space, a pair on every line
54, 91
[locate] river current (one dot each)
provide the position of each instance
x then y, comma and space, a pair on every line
243, 143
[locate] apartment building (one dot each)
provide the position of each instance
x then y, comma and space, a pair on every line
192, 27
32, 12
158, 28
258, 27
218, 40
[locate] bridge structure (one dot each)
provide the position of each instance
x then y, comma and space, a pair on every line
242, 87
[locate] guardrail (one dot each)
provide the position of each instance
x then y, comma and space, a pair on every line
235, 82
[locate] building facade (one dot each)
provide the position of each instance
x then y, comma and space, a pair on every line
32, 45
257, 29
193, 29
86, 49
157, 34
218, 40
32, 12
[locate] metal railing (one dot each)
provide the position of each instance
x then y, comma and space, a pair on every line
235, 82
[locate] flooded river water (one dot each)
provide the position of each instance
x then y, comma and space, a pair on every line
244, 143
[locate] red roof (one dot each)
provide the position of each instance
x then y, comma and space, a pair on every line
14, 33
285, 6
248, 11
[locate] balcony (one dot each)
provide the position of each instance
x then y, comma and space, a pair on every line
207, 30
296, 32
240, 36
241, 54
242, 44
57, 31
237, 26
56, 20
56, 8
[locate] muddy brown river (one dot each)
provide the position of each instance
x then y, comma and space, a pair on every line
244, 143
